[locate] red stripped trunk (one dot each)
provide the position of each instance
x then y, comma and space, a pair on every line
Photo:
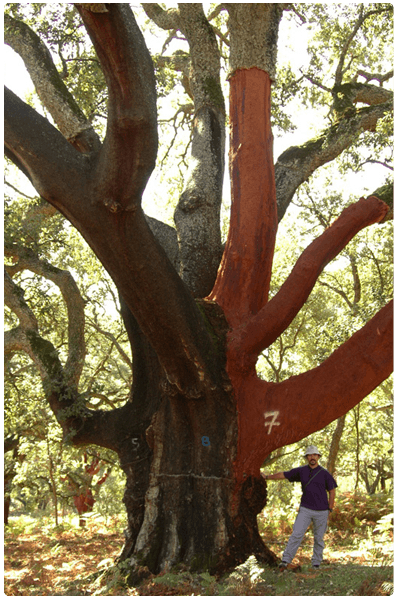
243, 280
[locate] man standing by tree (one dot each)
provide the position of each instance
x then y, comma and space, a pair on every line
314, 506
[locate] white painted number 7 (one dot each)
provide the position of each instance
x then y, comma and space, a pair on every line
273, 422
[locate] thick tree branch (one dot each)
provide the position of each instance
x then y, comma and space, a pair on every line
370, 94
49, 85
165, 19
272, 415
298, 163
129, 151
380, 77
197, 216
54, 167
261, 330
67, 179
353, 371
242, 284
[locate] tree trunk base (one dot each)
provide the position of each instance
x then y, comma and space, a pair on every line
189, 522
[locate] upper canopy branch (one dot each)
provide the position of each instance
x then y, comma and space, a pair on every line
363, 16
298, 163
165, 19
50, 86
379, 77
276, 315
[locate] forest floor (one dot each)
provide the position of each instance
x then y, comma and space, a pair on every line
43, 560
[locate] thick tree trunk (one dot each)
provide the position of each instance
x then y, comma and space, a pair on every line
199, 423
184, 501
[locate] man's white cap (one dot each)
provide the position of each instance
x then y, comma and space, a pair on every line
311, 449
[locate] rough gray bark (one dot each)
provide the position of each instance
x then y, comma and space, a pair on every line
298, 163
28, 260
254, 35
197, 215
49, 85
186, 501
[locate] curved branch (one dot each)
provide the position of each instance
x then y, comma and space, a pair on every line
261, 330
14, 299
298, 163
28, 260
129, 151
26, 338
54, 167
286, 412
165, 19
82, 425
49, 85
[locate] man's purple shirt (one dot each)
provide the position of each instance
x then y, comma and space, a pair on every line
315, 494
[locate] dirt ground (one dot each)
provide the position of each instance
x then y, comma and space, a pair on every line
81, 562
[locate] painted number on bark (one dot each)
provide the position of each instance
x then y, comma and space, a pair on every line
272, 422
135, 443
205, 441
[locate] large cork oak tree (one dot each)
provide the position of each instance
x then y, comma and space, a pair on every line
199, 422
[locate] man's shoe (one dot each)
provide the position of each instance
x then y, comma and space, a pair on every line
315, 566
283, 565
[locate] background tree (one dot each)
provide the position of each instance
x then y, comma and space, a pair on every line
199, 422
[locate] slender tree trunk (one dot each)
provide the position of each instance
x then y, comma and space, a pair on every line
335, 443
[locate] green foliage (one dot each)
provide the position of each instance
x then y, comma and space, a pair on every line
332, 314
168, 579
359, 510
165, 77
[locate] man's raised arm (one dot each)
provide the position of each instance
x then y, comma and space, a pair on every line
273, 477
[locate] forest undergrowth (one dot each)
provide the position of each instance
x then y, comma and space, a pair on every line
43, 560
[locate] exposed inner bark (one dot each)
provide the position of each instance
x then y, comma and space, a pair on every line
243, 279
199, 423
